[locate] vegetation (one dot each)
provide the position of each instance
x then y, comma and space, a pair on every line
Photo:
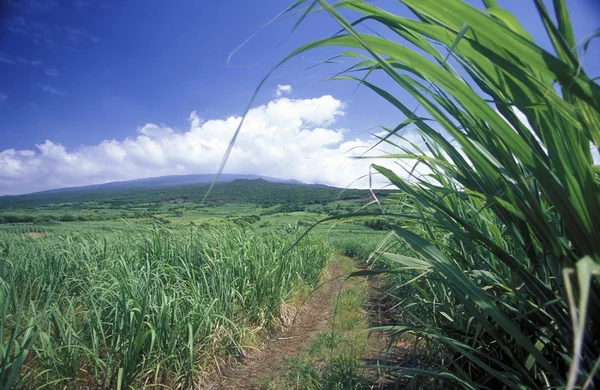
257, 191
66, 217
357, 245
106, 300
492, 254
330, 361
141, 306
497, 241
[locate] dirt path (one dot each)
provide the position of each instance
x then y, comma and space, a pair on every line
260, 365
382, 351
379, 314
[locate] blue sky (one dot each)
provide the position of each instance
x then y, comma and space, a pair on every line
84, 73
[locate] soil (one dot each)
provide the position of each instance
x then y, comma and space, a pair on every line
386, 352
380, 352
299, 328
35, 235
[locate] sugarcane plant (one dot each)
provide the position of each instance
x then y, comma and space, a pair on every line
497, 215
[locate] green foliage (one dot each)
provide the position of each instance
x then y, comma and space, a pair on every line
339, 374
354, 245
162, 221
13, 218
141, 306
509, 198
377, 224
291, 197
331, 359
16, 338
244, 219
65, 217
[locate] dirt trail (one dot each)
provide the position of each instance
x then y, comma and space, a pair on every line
381, 351
259, 365
379, 314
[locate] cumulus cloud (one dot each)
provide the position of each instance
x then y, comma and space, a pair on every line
286, 138
283, 90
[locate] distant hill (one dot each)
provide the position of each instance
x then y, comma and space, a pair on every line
260, 190
168, 181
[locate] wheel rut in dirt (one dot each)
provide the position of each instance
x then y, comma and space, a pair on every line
383, 350
259, 365
380, 352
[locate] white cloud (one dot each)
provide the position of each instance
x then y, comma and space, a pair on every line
21, 60
5, 59
38, 5
3, 96
77, 35
51, 72
595, 154
39, 32
283, 90
290, 139
50, 89
18, 60
16, 24
81, 3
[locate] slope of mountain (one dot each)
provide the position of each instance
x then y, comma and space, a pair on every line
266, 191
169, 181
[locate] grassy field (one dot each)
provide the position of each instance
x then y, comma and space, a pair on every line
142, 305
330, 360
154, 300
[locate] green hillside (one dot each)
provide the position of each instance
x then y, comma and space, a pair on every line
257, 191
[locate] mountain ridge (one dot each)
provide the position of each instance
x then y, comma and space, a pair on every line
256, 189
165, 182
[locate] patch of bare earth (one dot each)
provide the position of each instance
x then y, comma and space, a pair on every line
388, 354
300, 327
35, 234
380, 352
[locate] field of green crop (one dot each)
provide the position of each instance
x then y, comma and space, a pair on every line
101, 295
142, 305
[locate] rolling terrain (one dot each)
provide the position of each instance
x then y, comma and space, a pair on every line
264, 191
